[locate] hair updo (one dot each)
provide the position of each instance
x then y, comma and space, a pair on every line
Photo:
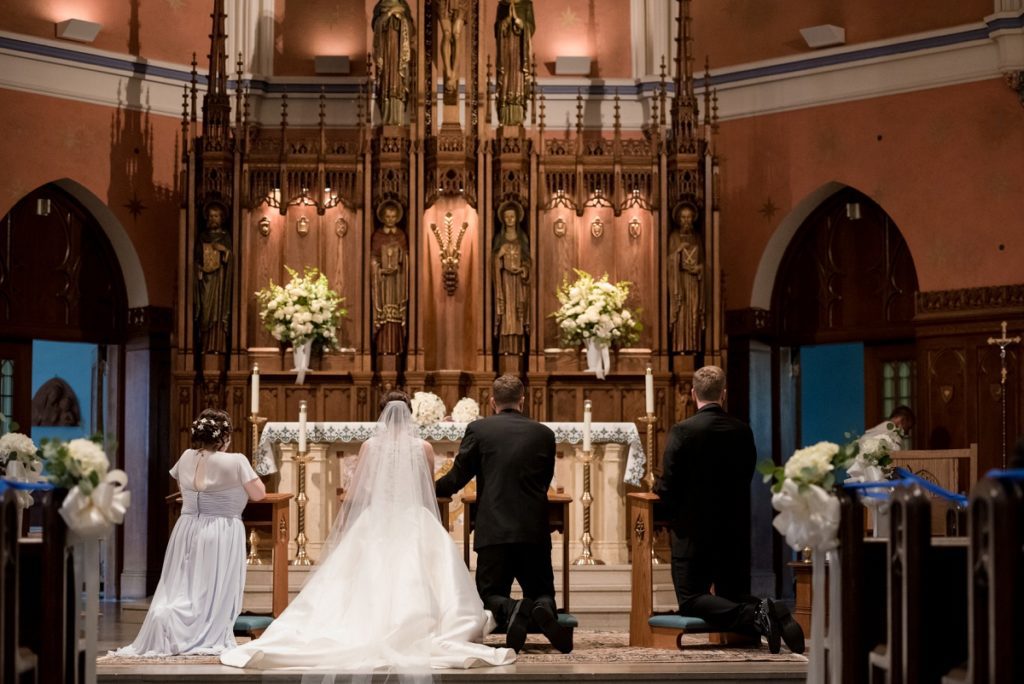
395, 395
211, 429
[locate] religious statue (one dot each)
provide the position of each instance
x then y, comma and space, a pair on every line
511, 258
452, 17
685, 277
213, 279
514, 33
393, 36
389, 273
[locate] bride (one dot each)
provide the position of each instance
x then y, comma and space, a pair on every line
390, 590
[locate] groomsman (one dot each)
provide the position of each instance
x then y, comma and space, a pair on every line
705, 486
513, 460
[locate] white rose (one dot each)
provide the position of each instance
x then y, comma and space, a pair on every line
87, 457
812, 463
466, 410
17, 444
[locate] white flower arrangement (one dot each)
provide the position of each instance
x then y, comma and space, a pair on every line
595, 310
20, 462
96, 498
303, 310
466, 410
427, 409
811, 465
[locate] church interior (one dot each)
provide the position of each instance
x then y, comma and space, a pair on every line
822, 198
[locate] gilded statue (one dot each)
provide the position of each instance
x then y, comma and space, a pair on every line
452, 18
389, 273
511, 264
213, 279
393, 36
513, 31
686, 278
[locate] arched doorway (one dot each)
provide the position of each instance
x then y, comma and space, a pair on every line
63, 326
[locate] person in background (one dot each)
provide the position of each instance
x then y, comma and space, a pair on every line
199, 596
896, 428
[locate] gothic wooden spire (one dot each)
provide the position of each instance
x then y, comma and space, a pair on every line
217, 102
685, 114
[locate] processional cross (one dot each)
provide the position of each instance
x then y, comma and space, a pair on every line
1003, 341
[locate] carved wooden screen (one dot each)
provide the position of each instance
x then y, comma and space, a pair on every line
59, 276
847, 275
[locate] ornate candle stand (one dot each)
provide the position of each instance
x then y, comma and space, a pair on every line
586, 556
257, 422
301, 458
650, 420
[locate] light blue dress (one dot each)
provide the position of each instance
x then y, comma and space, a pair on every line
200, 592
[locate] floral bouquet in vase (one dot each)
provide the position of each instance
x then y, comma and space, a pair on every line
96, 499
593, 313
20, 462
427, 409
305, 312
466, 410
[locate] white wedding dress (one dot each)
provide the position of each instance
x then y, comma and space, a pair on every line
390, 590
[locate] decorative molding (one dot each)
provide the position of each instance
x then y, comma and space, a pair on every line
970, 299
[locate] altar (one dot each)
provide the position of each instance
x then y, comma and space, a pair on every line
333, 449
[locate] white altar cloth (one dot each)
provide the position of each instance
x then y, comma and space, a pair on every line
565, 433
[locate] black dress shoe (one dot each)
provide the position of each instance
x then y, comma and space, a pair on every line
792, 632
559, 636
768, 625
515, 635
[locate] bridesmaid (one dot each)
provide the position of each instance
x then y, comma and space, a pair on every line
200, 592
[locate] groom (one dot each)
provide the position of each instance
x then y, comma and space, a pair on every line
513, 460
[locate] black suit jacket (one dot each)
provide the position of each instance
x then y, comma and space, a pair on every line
513, 460
705, 482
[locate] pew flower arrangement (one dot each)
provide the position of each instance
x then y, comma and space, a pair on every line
304, 312
20, 462
427, 409
97, 499
466, 410
593, 313
873, 462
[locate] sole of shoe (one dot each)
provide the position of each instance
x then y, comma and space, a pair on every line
774, 635
559, 636
792, 632
518, 622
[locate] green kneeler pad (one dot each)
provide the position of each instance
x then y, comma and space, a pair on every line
247, 624
680, 622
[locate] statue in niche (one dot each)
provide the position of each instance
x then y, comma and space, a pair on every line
686, 278
56, 404
393, 35
513, 31
389, 273
511, 259
213, 278
452, 18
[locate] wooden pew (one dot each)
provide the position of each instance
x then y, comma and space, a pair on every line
17, 663
996, 598
927, 601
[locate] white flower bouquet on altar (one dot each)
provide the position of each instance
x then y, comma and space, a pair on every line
97, 499
304, 312
427, 409
466, 410
20, 462
593, 313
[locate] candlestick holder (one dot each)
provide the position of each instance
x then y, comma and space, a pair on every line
254, 542
650, 420
586, 556
257, 422
301, 458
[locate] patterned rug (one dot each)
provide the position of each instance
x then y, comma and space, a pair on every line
590, 647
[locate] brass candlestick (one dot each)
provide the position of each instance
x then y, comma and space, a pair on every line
650, 420
257, 422
586, 556
301, 458
254, 541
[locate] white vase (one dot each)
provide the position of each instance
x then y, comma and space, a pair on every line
301, 354
598, 358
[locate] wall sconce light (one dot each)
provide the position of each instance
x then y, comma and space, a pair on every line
597, 227
78, 30
823, 36
560, 227
853, 211
332, 64
43, 206
302, 226
450, 252
264, 226
572, 66
634, 228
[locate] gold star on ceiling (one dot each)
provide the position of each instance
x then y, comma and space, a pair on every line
569, 18
768, 209
135, 206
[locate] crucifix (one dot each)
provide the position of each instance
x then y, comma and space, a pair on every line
1003, 341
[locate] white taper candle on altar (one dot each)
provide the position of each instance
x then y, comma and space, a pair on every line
302, 426
255, 399
649, 389
586, 425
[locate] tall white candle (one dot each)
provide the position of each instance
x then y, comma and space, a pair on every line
586, 425
649, 389
255, 399
302, 426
